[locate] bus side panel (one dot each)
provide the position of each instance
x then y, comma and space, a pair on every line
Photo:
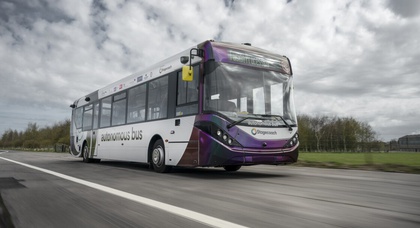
124, 143
190, 157
131, 142
181, 142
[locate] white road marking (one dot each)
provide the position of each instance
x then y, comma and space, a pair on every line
192, 215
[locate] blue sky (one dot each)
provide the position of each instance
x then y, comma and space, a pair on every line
350, 58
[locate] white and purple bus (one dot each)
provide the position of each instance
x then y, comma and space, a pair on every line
217, 104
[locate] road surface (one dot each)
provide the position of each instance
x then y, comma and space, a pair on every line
58, 190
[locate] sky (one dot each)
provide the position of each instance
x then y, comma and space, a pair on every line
350, 58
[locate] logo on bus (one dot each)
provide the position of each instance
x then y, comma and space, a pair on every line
254, 131
164, 68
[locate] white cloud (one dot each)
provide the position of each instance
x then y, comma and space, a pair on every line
350, 58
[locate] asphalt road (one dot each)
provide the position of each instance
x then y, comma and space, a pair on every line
57, 190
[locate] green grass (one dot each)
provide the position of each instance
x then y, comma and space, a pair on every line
391, 162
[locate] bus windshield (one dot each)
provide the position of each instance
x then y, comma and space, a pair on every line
250, 96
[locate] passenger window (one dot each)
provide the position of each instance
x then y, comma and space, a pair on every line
87, 117
106, 112
79, 117
118, 109
188, 91
95, 115
187, 94
136, 104
157, 99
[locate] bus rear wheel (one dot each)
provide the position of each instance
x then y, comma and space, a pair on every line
232, 168
158, 158
85, 154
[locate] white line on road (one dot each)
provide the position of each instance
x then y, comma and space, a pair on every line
192, 215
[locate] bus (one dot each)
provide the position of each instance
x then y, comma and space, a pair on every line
217, 104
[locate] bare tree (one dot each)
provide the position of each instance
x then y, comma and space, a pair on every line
317, 124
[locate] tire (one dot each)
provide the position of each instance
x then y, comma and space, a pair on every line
158, 157
232, 168
85, 154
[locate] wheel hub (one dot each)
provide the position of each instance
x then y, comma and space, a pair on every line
85, 152
157, 156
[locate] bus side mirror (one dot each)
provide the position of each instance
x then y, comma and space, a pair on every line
187, 73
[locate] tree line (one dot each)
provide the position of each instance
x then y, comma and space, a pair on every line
35, 137
324, 133
316, 133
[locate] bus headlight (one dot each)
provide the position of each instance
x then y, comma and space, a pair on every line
292, 141
225, 137
218, 133
230, 141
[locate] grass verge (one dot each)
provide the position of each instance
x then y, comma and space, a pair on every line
389, 162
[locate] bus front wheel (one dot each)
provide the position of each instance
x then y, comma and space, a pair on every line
232, 168
158, 158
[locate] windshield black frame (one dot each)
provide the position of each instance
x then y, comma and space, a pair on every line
235, 91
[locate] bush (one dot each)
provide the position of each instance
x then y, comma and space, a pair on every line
31, 144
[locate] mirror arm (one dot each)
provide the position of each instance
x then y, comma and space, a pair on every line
199, 53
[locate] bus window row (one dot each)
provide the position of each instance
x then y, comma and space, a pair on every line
130, 106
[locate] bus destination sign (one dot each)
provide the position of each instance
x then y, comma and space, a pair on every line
259, 60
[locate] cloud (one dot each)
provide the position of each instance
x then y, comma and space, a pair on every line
405, 8
349, 58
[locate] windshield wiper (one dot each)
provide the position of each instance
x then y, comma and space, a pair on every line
241, 120
259, 118
280, 117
